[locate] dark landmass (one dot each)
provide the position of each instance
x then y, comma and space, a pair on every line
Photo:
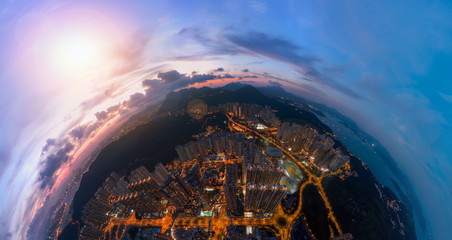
290, 202
315, 212
355, 200
363, 206
300, 231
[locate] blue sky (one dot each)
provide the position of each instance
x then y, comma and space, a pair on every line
384, 64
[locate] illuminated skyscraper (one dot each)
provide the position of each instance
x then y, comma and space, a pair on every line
250, 195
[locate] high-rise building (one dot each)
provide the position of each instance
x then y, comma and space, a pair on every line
264, 197
250, 195
160, 174
195, 184
318, 146
181, 153
267, 198
230, 191
231, 173
281, 191
175, 191
142, 202
259, 194
263, 174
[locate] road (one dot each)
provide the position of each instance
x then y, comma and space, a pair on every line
312, 178
282, 222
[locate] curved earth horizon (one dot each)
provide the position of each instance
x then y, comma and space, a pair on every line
93, 90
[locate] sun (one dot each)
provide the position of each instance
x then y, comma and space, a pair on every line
77, 44
78, 52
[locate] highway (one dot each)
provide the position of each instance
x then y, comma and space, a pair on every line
312, 178
219, 222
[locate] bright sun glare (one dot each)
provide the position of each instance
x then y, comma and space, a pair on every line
75, 45
78, 52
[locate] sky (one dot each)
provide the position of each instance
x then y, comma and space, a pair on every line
72, 71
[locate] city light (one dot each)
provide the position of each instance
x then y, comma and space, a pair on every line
202, 187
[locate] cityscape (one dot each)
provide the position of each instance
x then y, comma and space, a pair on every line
228, 183
229, 120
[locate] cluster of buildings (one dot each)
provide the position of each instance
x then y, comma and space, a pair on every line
317, 147
229, 166
149, 194
191, 233
218, 143
261, 177
258, 172
251, 112
263, 197
145, 193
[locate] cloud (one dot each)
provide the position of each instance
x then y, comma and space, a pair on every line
258, 6
57, 152
4, 233
227, 75
170, 76
281, 50
248, 76
309, 88
131, 53
220, 69
78, 132
54, 161
172, 80
136, 99
101, 115
446, 97
402, 114
151, 83
272, 47
274, 83
49, 143
262, 45
203, 77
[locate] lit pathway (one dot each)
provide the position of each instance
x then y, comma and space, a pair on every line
317, 181
281, 221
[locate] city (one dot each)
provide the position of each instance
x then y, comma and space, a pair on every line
227, 183
265, 120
